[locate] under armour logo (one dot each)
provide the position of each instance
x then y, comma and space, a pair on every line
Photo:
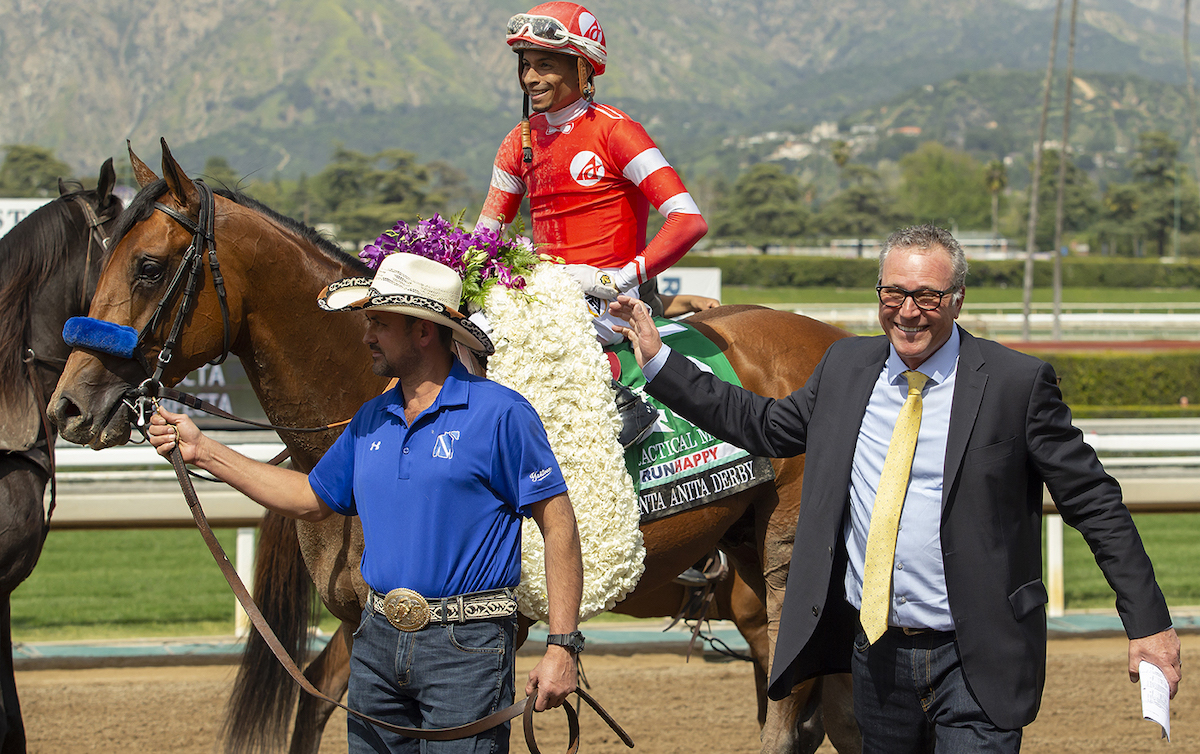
375, 445
565, 128
443, 446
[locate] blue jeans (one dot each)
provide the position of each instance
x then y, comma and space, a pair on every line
438, 677
910, 696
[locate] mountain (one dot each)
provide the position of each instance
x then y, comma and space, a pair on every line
272, 85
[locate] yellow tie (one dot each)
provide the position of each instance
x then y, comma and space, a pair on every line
885, 517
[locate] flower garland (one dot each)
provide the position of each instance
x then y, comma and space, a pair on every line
546, 349
482, 258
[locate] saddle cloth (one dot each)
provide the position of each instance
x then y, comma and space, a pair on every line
680, 466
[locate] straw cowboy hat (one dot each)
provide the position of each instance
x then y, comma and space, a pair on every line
413, 285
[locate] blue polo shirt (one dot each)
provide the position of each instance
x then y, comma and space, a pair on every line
441, 501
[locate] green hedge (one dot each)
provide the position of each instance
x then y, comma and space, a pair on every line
863, 273
1128, 384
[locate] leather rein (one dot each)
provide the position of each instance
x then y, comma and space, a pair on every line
143, 401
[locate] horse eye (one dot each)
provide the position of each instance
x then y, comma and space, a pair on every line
150, 270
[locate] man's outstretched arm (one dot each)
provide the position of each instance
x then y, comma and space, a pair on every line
283, 491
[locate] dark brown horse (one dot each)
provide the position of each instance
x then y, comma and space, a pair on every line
49, 263
309, 368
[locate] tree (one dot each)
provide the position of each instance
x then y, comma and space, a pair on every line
30, 170
840, 152
1155, 170
863, 209
366, 194
765, 206
1081, 205
449, 187
218, 172
995, 177
1154, 160
940, 185
1120, 205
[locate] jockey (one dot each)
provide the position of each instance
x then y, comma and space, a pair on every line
591, 171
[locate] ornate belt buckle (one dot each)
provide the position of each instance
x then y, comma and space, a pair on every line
406, 610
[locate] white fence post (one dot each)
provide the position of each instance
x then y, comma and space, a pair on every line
245, 569
1054, 565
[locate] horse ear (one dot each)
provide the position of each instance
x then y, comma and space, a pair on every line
68, 186
178, 184
141, 172
104, 185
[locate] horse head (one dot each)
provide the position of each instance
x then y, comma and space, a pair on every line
157, 285
49, 264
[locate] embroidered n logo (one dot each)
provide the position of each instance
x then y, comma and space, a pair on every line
443, 446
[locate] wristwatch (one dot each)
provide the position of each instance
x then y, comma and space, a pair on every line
573, 642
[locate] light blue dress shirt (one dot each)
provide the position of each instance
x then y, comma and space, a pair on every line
918, 576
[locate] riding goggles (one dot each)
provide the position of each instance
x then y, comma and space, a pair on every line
549, 31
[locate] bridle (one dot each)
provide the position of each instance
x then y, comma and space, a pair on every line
186, 279
97, 236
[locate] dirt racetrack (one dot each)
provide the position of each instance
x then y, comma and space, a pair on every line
668, 707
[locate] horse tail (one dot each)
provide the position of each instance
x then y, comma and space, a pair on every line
264, 695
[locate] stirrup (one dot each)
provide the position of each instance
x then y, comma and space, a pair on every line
637, 417
692, 577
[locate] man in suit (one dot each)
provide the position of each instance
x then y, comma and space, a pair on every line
954, 652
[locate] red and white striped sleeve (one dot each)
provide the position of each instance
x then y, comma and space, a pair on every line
643, 165
507, 188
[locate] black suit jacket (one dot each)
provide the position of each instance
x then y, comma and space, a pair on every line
1009, 432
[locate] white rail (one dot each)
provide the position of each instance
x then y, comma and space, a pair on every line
134, 487
1153, 483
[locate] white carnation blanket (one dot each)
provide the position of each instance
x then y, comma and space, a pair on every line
546, 349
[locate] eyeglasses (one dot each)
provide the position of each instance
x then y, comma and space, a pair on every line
926, 299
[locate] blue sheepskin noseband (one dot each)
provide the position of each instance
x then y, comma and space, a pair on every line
98, 335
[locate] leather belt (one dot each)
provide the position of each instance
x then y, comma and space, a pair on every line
409, 611
928, 632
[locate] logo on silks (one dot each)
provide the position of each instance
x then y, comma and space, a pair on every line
443, 446
587, 169
590, 27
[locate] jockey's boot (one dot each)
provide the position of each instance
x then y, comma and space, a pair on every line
637, 417
692, 577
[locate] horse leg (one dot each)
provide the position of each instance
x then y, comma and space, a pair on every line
329, 672
23, 522
837, 711
791, 725
14, 728
264, 695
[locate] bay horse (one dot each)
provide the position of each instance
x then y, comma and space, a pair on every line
309, 368
48, 264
